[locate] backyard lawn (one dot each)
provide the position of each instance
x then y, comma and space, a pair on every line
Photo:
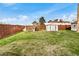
41, 44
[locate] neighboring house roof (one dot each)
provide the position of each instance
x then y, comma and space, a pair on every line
75, 22
58, 21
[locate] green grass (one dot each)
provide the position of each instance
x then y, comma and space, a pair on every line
41, 43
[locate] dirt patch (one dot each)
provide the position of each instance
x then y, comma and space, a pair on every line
58, 50
33, 48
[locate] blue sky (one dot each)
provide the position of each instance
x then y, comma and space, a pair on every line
26, 13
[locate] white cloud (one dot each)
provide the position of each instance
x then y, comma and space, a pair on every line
8, 4
11, 5
21, 19
64, 17
70, 17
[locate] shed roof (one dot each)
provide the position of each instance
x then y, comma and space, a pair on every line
57, 23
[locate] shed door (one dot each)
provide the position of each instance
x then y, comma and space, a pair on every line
52, 28
48, 28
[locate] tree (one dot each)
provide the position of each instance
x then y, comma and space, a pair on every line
41, 25
34, 22
61, 20
42, 20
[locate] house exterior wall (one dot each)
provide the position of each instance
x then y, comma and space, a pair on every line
78, 18
74, 27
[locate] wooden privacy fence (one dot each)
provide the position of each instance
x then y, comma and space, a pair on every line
64, 27
7, 29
